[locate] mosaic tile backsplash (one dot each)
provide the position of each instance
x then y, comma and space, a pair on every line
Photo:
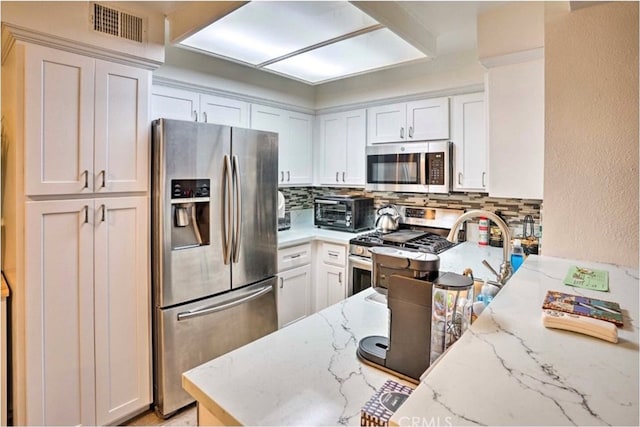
514, 210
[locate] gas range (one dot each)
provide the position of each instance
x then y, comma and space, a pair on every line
422, 230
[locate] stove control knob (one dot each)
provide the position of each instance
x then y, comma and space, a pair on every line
359, 250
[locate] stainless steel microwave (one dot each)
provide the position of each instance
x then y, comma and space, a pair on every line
416, 167
344, 213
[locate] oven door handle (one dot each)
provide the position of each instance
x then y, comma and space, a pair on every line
359, 262
327, 202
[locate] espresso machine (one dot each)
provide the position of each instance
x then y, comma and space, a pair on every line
408, 278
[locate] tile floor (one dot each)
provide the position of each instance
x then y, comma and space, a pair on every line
186, 417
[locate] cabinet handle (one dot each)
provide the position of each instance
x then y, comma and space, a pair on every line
410, 131
204, 116
295, 256
104, 212
340, 277
342, 176
337, 176
483, 174
86, 214
281, 283
288, 176
86, 179
195, 114
402, 133
333, 254
459, 178
281, 176
104, 178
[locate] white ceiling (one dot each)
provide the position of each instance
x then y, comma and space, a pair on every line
451, 23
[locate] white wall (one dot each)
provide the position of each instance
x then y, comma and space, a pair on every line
591, 147
70, 20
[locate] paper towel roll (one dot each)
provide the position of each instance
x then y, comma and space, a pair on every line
281, 205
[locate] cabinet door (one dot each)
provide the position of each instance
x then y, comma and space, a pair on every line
59, 98
122, 308
469, 143
177, 104
294, 295
516, 130
356, 141
271, 119
332, 148
295, 148
386, 123
428, 119
224, 111
121, 128
59, 352
336, 286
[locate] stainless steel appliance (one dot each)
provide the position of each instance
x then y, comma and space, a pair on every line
421, 229
214, 246
344, 213
419, 167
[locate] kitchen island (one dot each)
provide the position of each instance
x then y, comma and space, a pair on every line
506, 370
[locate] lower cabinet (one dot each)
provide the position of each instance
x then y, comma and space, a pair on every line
86, 311
331, 277
293, 297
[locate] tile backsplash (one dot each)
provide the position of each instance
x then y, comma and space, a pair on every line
514, 210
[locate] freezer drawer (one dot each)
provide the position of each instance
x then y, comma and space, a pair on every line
192, 334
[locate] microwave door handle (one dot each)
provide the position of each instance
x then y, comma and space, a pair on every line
220, 307
226, 211
238, 225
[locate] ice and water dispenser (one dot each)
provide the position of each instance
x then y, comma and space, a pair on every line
190, 212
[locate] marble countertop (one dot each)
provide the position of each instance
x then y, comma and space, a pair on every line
508, 369
304, 374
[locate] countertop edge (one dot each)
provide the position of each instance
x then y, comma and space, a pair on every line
207, 401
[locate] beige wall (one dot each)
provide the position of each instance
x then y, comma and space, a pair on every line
591, 138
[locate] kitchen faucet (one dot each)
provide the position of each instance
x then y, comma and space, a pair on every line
505, 268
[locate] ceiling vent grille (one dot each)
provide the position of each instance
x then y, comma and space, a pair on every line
117, 23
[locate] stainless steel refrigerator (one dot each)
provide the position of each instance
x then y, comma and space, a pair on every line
214, 246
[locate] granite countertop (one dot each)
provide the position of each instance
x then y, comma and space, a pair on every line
508, 369
304, 374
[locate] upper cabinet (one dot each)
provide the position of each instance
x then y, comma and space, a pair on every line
86, 130
180, 104
412, 121
516, 129
469, 137
294, 141
341, 151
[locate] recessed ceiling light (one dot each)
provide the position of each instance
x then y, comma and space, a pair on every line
312, 41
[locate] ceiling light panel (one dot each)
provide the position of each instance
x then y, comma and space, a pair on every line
378, 49
261, 31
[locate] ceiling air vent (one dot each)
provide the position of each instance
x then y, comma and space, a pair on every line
117, 23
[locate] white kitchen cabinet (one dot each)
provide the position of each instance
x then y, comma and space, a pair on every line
293, 296
180, 104
342, 148
86, 129
331, 278
516, 129
294, 141
87, 310
469, 137
421, 120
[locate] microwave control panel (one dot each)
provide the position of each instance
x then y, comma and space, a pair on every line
436, 168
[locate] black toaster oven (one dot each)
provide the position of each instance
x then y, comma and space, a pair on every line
344, 213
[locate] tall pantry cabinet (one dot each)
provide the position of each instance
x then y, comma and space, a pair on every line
75, 141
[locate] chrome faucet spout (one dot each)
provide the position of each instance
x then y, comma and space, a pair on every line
505, 269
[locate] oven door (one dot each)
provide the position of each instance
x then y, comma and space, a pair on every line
397, 167
359, 276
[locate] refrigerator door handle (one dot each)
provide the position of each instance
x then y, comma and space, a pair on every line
238, 209
226, 212
215, 308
